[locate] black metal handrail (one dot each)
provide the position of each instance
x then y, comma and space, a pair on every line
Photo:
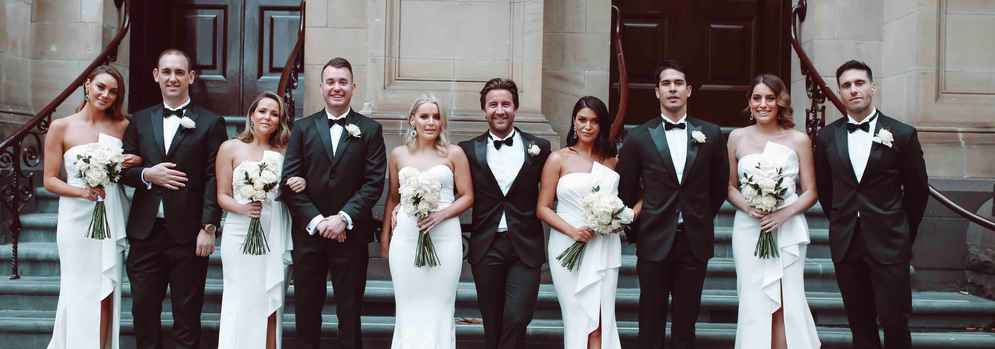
815, 116
289, 78
21, 154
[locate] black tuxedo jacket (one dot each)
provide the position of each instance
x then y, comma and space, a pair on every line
890, 197
647, 172
519, 205
193, 151
350, 180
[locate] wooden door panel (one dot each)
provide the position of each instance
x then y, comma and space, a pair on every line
208, 31
270, 34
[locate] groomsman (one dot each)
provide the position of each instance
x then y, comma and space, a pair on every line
677, 167
872, 185
507, 245
174, 214
341, 155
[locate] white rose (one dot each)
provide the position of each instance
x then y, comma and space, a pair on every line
885, 137
749, 192
353, 130
187, 122
268, 177
95, 177
533, 150
768, 202
698, 136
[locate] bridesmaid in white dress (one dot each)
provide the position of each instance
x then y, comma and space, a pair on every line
773, 309
586, 294
425, 297
252, 302
89, 309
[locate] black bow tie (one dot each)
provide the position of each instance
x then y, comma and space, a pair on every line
667, 126
507, 141
177, 113
339, 121
866, 126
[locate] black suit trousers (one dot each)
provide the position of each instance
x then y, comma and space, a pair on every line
153, 264
506, 290
347, 266
680, 275
873, 291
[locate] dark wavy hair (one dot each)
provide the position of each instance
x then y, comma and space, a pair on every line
281, 135
785, 113
603, 146
116, 110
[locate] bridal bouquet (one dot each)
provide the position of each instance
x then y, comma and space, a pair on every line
253, 181
764, 187
419, 197
99, 165
604, 213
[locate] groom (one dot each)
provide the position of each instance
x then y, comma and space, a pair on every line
341, 155
872, 185
174, 214
507, 245
678, 168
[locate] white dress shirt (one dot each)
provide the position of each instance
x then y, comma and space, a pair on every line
336, 134
859, 143
169, 127
677, 141
505, 164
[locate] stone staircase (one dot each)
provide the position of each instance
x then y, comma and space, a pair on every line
940, 319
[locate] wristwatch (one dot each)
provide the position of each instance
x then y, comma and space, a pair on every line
210, 228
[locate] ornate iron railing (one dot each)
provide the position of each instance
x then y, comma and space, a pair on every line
21, 153
815, 115
290, 77
623, 73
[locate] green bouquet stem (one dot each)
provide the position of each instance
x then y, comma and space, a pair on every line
425, 254
99, 228
255, 241
766, 245
570, 258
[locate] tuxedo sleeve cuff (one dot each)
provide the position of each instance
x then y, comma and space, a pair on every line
148, 185
347, 219
314, 224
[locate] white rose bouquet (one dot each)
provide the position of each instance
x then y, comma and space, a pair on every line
605, 214
419, 197
99, 165
763, 188
254, 181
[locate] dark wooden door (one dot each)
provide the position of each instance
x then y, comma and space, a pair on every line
722, 43
238, 48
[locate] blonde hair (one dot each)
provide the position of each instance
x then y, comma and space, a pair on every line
410, 137
281, 135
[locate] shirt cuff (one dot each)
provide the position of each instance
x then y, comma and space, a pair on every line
348, 220
148, 185
314, 224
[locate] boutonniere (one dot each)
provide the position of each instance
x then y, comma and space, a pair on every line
884, 137
353, 130
187, 122
698, 137
533, 149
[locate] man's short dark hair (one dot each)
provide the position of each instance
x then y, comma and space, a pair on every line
175, 51
499, 84
337, 63
851, 65
669, 64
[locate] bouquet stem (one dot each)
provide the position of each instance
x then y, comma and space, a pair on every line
425, 251
255, 241
98, 222
570, 258
766, 245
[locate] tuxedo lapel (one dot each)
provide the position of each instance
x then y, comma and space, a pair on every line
155, 119
842, 145
877, 149
480, 150
321, 127
181, 131
692, 148
659, 137
526, 142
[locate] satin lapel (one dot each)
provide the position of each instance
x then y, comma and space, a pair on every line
527, 141
480, 148
877, 149
659, 137
321, 127
692, 151
344, 140
181, 132
842, 145
155, 119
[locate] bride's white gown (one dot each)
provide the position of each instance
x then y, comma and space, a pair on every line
89, 270
254, 285
425, 297
765, 285
586, 294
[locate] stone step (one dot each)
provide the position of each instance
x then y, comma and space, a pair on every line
32, 329
930, 310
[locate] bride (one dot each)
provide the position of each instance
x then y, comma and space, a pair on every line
89, 309
425, 296
586, 294
773, 310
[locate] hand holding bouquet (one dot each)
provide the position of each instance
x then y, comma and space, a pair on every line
604, 213
763, 188
419, 197
99, 165
254, 181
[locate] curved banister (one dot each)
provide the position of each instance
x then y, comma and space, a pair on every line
291, 70
818, 91
623, 76
23, 147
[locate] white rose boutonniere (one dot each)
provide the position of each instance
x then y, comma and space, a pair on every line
353, 130
698, 137
533, 150
187, 122
885, 138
